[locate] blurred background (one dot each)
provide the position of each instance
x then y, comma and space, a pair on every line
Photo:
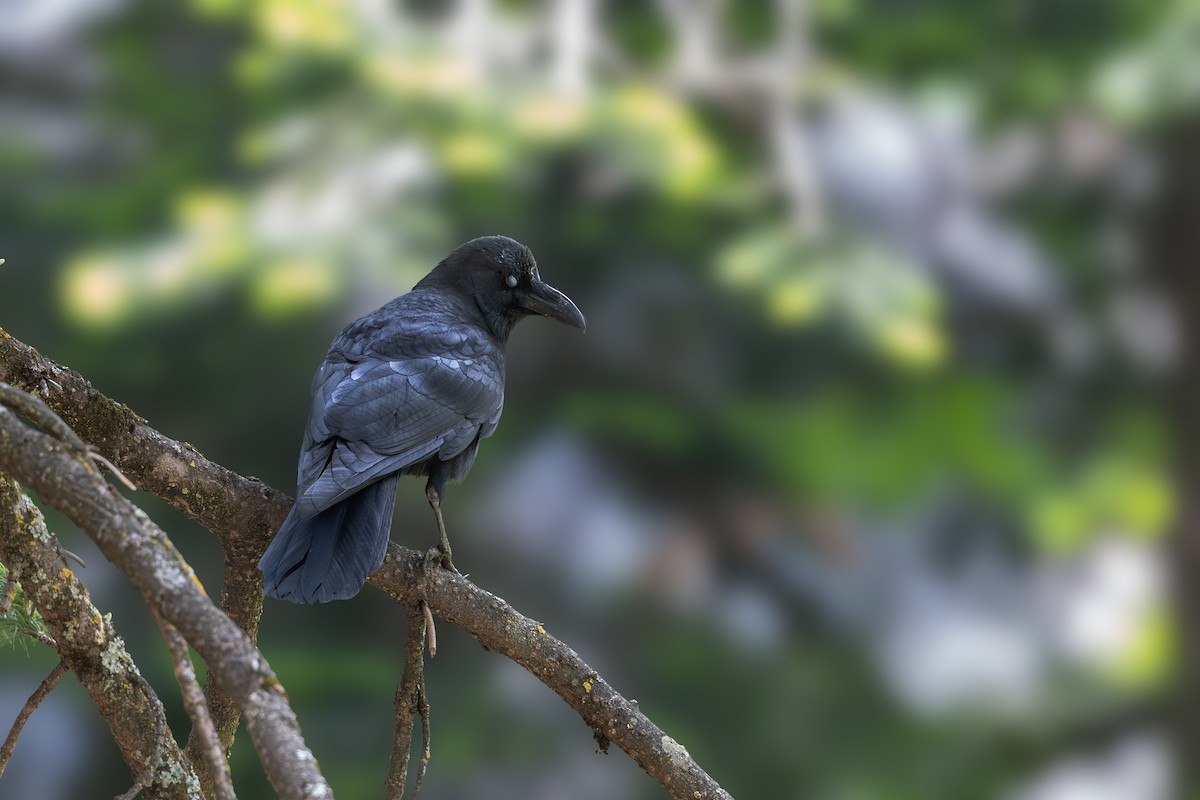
860, 481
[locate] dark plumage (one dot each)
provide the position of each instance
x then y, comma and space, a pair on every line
409, 389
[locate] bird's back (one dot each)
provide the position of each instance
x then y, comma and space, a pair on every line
412, 383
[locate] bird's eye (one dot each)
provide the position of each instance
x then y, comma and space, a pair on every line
511, 280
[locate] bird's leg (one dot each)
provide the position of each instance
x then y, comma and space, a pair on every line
435, 502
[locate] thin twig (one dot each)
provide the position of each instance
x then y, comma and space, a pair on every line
44, 688
430, 630
111, 467
241, 600
44, 638
197, 709
141, 783
410, 699
423, 712
67, 554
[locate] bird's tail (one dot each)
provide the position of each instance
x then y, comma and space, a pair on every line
329, 556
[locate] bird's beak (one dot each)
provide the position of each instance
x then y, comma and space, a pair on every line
544, 299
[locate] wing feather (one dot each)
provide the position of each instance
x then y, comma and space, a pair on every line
377, 415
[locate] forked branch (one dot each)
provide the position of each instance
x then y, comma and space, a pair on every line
245, 513
67, 480
411, 704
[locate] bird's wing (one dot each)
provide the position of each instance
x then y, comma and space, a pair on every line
381, 414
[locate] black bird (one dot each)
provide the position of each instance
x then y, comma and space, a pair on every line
409, 389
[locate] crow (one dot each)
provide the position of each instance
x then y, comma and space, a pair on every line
409, 389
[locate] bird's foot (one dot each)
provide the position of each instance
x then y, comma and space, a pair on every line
432, 556
436, 555
447, 560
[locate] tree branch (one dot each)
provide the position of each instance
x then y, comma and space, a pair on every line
241, 600
245, 513
501, 628
410, 700
44, 688
91, 648
193, 702
242, 512
137, 547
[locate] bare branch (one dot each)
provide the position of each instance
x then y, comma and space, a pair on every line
44, 639
430, 628
410, 700
137, 547
241, 512
65, 553
502, 629
90, 647
245, 513
193, 702
111, 467
35, 699
241, 599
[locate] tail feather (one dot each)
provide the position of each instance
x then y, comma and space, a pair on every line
329, 556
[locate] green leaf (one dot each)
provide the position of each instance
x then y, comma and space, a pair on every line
22, 622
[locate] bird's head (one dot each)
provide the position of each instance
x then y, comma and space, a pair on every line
500, 276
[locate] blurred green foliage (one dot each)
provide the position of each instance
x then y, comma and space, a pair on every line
274, 166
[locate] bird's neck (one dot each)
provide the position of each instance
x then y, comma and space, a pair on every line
499, 322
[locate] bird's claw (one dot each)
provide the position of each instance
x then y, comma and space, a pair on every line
436, 555
432, 556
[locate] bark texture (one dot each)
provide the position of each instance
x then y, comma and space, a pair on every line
242, 512
91, 648
68, 481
